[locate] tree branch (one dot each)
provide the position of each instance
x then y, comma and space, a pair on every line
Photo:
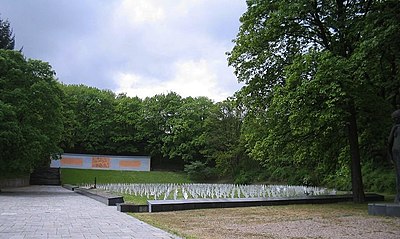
322, 33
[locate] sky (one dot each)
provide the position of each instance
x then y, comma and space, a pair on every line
138, 47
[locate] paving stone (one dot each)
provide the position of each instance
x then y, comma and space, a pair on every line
55, 212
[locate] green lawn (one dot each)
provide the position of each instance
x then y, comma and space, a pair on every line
82, 176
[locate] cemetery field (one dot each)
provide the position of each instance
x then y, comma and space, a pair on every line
342, 220
86, 176
139, 193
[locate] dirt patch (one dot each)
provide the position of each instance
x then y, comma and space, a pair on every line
343, 220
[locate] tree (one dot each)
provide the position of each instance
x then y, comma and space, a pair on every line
127, 136
185, 138
156, 112
223, 137
7, 38
30, 103
88, 115
305, 68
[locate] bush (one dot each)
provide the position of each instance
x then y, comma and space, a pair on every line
245, 177
378, 178
199, 171
339, 180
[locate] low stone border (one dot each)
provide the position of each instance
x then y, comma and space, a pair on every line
101, 196
175, 205
130, 207
70, 187
14, 182
384, 209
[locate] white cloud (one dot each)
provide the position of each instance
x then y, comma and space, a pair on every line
135, 85
139, 12
142, 47
171, 50
166, 46
190, 78
194, 79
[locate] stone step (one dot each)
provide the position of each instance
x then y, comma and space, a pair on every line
45, 176
101, 196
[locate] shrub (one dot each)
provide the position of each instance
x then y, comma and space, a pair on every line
378, 178
199, 171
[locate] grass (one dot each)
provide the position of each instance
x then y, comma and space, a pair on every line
83, 176
138, 200
289, 221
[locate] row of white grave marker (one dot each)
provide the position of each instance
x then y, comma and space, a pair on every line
188, 191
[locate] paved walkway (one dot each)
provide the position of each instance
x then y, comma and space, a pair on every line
55, 212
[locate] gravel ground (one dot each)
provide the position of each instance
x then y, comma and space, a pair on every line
296, 221
346, 227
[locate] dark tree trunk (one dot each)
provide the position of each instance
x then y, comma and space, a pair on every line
356, 177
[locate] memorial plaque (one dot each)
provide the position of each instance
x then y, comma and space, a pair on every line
100, 162
72, 161
130, 163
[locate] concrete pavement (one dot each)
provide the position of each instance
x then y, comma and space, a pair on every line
55, 212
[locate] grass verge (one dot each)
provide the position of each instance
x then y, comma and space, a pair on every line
82, 176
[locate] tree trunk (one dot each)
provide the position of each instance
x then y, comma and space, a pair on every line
356, 177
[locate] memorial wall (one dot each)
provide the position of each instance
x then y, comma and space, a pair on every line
106, 162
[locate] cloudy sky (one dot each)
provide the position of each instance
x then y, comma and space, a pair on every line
140, 47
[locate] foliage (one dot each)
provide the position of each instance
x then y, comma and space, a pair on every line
379, 178
156, 112
199, 171
175, 131
88, 114
184, 137
223, 137
244, 177
127, 136
314, 84
7, 38
30, 103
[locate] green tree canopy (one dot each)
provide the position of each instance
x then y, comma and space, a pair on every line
7, 38
88, 116
30, 103
316, 79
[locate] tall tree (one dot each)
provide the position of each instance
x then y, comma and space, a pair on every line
30, 113
223, 137
302, 62
127, 136
7, 38
185, 139
157, 111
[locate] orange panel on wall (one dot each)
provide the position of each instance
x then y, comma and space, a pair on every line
72, 161
100, 162
130, 163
